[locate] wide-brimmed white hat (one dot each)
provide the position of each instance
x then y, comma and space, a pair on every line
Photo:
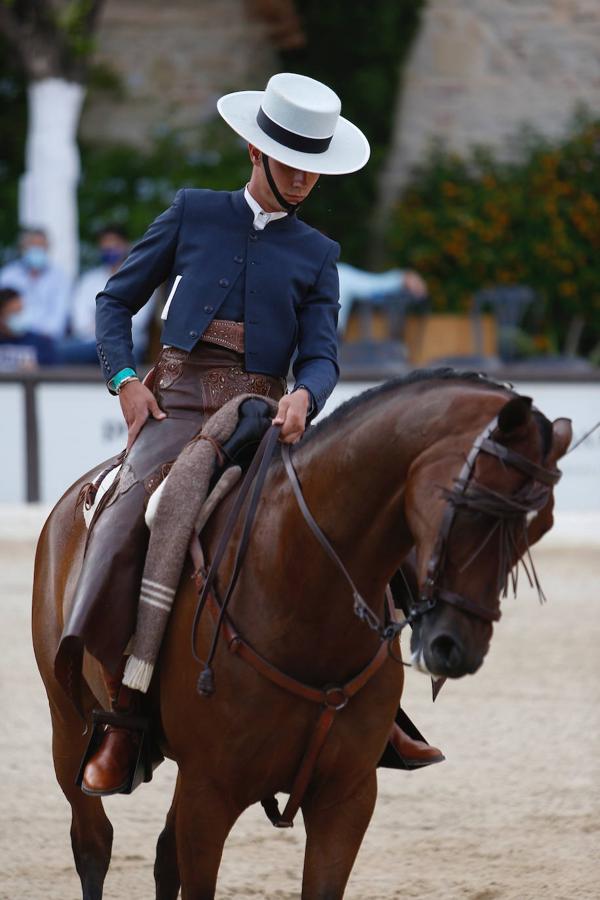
297, 121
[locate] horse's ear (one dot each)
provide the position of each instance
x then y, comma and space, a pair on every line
514, 414
562, 434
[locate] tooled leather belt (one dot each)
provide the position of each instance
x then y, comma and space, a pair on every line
225, 333
206, 377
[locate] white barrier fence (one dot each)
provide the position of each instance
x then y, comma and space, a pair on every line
54, 431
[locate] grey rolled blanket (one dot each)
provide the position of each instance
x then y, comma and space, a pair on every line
182, 497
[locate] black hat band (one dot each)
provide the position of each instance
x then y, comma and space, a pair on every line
289, 138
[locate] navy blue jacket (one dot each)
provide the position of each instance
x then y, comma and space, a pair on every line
207, 238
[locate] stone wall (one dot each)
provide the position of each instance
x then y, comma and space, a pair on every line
173, 59
481, 68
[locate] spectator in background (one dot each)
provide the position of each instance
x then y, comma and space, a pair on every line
43, 286
356, 284
113, 247
20, 348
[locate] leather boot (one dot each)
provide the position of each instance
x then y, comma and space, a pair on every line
414, 754
109, 770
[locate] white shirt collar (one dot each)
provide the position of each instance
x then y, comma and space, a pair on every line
261, 218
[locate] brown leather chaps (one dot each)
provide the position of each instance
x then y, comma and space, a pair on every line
189, 387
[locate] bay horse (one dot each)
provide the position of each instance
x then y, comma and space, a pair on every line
383, 474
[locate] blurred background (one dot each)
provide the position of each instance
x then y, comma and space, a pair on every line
471, 239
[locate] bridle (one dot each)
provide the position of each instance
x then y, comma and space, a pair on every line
508, 513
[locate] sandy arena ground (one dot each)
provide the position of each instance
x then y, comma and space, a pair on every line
514, 813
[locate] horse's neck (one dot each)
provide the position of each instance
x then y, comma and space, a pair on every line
354, 474
354, 478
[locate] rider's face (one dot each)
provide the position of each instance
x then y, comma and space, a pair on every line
294, 184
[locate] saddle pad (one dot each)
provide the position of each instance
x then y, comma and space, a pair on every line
176, 515
225, 483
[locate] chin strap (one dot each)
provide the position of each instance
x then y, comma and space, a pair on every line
291, 208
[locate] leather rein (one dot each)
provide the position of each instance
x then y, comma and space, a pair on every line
530, 499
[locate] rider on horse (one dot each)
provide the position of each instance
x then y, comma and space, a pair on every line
249, 285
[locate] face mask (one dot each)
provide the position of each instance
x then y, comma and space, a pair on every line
111, 256
17, 323
35, 257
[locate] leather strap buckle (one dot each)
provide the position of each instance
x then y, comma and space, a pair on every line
335, 698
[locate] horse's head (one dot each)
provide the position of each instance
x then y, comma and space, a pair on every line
474, 508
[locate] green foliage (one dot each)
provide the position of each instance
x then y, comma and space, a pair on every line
72, 20
101, 76
358, 49
54, 39
474, 222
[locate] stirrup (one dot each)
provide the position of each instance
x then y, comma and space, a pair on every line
142, 768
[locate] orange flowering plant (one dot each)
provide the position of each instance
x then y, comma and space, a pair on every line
470, 223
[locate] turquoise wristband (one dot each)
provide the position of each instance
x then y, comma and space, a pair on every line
116, 380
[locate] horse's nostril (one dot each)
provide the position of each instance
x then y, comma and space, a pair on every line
446, 652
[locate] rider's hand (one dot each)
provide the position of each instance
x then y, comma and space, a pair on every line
137, 403
291, 415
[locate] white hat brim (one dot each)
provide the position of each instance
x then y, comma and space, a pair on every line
348, 151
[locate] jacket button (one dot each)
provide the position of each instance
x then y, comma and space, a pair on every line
238, 259
253, 236
208, 309
193, 334
224, 282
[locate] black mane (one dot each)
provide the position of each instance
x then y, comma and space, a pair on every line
414, 377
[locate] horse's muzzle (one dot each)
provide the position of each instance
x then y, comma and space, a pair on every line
449, 645
446, 656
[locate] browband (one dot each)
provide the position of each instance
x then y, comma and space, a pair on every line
538, 473
289, 138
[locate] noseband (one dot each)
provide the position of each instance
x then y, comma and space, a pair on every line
508, 512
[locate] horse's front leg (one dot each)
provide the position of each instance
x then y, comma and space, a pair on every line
336, 817
166, 869
204, 816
